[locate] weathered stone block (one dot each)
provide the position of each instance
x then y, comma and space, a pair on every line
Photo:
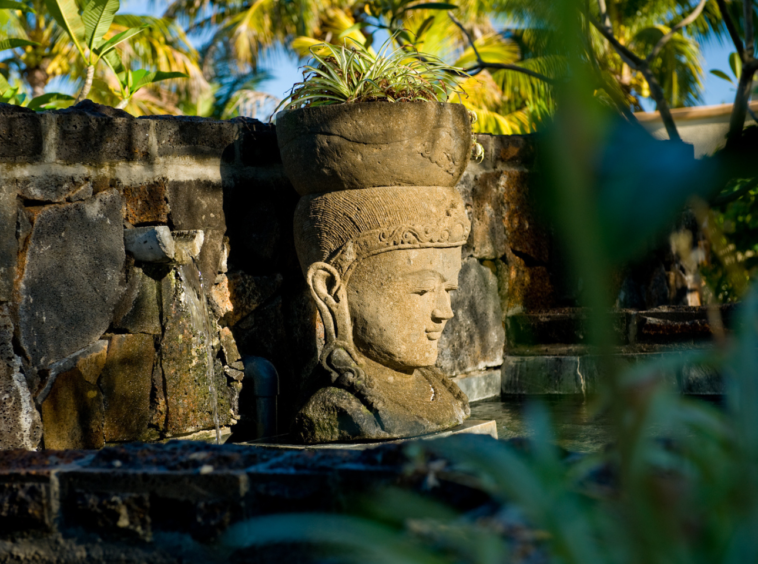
549, 375
209, 259
575, 374
474, 338
125, 383
512, 151
20, 425
71, 280
20, 134
146, 203
121, 515
24, 507
184, 356
240, 294
140, 309
483, 194
90, 138
72, 413
664, 327
229, 346
89, 362
157, 397
219, 298
150, 244
567, 326
523, 287
258, 146
188, 244
178, 136
480, 385
503, 216
42, 186
8, 241
524, 233
196, 204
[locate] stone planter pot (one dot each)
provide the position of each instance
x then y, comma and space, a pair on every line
353, 146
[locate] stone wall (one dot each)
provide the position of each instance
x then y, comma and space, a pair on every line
140, 259
172, 503
134, 255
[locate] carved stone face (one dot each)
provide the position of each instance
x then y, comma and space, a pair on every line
399, 303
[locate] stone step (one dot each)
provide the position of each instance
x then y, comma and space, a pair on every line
471, 427
580, 374
480, 385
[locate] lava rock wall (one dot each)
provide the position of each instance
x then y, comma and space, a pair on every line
140, 259
120, 293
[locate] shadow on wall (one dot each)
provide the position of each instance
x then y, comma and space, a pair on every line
269, 310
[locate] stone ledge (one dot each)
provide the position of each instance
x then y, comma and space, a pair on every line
92, 134
660, 326
20, 135
469, 427
480, 385
137, 493
577, 374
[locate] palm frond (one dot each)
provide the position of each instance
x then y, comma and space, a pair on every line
164, 47
678, 67
493, 49
252, 103
518, 88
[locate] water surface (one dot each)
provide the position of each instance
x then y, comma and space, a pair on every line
577, 428
576, 423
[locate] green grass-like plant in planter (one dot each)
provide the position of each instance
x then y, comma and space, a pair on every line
344, 75
361, 119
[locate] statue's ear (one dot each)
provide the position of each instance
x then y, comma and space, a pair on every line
331, 299
325, 282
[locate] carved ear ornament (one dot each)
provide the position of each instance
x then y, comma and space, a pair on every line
387, 239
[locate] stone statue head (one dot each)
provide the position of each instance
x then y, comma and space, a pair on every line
380, 263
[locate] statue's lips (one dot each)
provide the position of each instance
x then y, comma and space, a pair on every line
433, 335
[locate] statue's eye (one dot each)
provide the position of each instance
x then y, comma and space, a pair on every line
423, 291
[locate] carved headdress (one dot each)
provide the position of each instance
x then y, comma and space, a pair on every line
342, 228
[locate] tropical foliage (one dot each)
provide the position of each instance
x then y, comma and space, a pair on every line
508, 32
66, 41
236, 35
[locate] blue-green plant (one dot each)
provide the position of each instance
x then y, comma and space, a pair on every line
353, 73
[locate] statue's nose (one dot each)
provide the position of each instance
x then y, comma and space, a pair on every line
442, 310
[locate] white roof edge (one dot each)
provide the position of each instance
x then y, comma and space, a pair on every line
694, 112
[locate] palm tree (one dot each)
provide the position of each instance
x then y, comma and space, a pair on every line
639, 25
504, 101
162, 46
505, 32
